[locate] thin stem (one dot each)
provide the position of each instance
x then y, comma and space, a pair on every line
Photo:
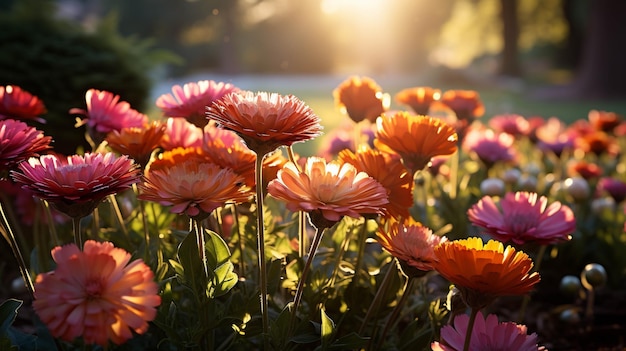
199, 231
118, 214
470, 327
382, 290
408, 288
305, 272
78, 236
261, 249
51, 226
342, 249
454, 174
362, 241
526, 298
8, 235
240, 242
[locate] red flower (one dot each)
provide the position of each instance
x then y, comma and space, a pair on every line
191, 100
523, 217
16, 103
18, 142
97, 294
76, 185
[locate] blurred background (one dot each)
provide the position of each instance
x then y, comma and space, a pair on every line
534, 57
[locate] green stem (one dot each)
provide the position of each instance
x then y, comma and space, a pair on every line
454, 174
118, 214
240, 242
342, 249
526, 298
362, 241
319, 232
261, 249
470, 327
408, 288
78, 236
382, 290
7, 233
200, 240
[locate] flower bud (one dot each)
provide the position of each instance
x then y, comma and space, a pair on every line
593, 276
511, 175
527, 183
492, 187
570, 285
577, 187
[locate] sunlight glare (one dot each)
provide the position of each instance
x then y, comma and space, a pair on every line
351, 7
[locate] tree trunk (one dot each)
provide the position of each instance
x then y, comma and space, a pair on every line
509, 64
602, 70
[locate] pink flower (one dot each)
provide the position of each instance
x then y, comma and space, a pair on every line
180, 133
333, 190
97, 294
512, 124
191, 100
18, 142
76, 185
523, 217
614, 187
17, 103
489, 147
487, 335
106, 113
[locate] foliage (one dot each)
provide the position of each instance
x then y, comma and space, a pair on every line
59, 61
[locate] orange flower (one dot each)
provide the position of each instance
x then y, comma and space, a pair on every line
193, 188
418, 98
390, 173
168, 159
328, 191
17, 103
266, 121
224, 148
466, 104
598, 143
417, 139
96, 294
412, 244
361, 98
483, 272
603, 120
137, 143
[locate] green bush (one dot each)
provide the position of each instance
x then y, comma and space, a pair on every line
58, 61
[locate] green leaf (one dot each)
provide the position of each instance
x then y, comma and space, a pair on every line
193, 270
8, 313
349, 342
224, 279
328, 329
217, 251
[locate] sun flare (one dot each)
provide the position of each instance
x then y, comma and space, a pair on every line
361, 7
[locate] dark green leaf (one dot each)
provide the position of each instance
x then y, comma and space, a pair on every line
8, 313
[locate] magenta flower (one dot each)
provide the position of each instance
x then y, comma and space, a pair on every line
17, 103
18, 142
489, 147
105, 112
614, 187
191, 100
180, 133
77, 184
487, 335
512, 124
523, 217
